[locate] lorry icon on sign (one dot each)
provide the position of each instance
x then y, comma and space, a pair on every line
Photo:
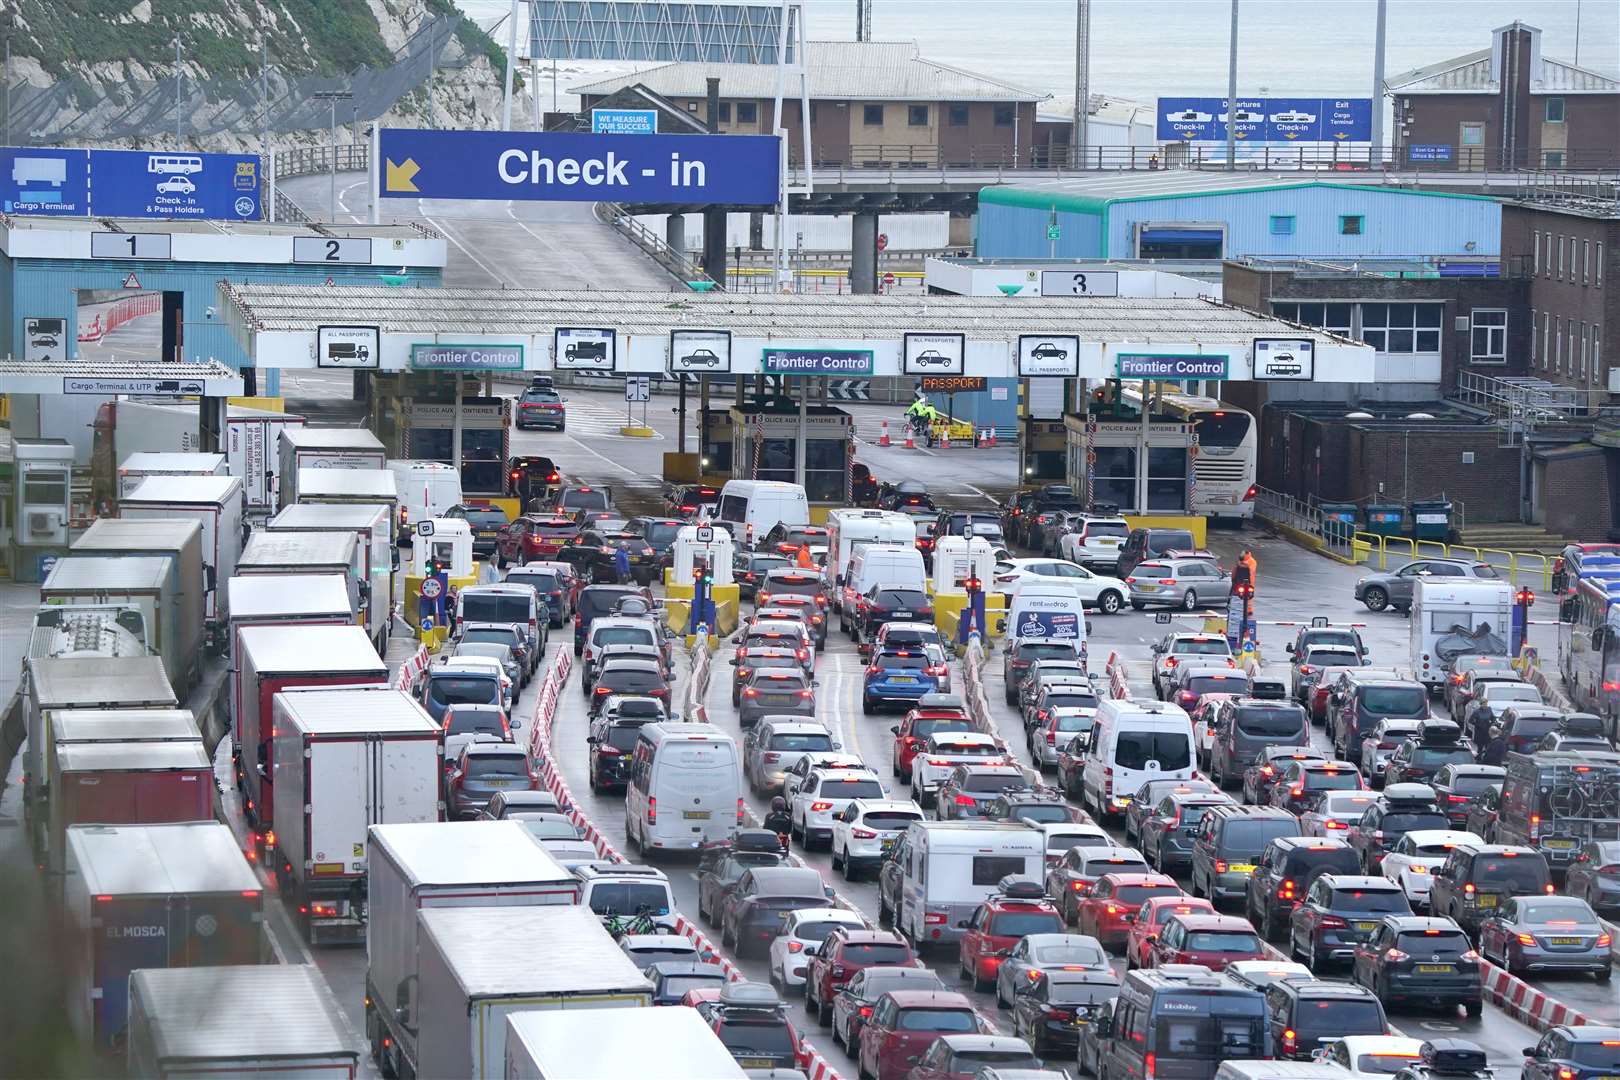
586, 350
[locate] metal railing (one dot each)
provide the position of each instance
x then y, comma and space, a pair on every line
1306, 517
311, 160
678, 264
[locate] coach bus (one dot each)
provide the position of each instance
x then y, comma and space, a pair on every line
1589, 646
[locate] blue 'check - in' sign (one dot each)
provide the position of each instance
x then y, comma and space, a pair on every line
576, 166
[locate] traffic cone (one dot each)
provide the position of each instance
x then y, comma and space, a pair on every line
909, 444
944, 438
883, 438
992, 436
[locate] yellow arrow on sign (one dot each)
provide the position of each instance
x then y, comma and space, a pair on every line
1239, 135
1341, 134
400, 177
1290, 134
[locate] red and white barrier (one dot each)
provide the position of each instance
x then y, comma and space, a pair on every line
119, 312
411, 670
1524, 1002
1119, 685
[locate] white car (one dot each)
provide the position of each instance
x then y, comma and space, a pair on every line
802, 934
1411, 863
1369, 1057
1094, 542
943, 752
1262, 973
1378, 747
1063, 835
813, 760
645, 949
867, 829
1332, 816
571, 853
1291, 117
1178, 648
1106, 594
823, 796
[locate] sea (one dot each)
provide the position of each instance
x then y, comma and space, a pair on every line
1144, 49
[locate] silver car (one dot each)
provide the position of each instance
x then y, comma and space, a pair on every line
1184, 583
1394, 589
773, 745
776, 691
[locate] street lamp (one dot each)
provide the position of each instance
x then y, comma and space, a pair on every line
333, 97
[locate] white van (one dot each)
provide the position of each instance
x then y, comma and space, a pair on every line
848, 528
755, 507
1133, 742
896, 565
1451, 616
1052, 612
426, 488
685, 788
949, 868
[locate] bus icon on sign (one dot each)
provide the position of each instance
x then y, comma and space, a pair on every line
173, 163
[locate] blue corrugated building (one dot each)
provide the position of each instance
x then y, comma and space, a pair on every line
1185, 214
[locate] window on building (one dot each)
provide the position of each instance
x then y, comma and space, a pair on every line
872, 115
957, 115
917, 115
1489, 331
1004, 115
725, 112
1555, 110
1586, 345
1331, 317
1552, 159
747, 112
1533, 350
1558, 344
1560, 274
1282, 224
1597, 355
1473, 134
1586, 262
691, 106
1535, 253
1402, 328
1350, 224
1599, 280
1546, 340
1548, 266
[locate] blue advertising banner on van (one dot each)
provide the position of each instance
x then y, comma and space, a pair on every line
1048, 624
206, 187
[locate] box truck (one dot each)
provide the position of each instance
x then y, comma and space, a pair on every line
252, 438
88, 726
372, 525
215, 503
439, 865
122, 428
281, 600
234, 1021
669, 1043
154, 896
1452, 616
346, 760
323, 448
88, 630
62, 684
136, 591
133, 783
181, 543
335, 553
477, 966
136, 469
276, 658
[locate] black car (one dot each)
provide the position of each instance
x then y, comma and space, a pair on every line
610, 745
1044, 1014
660, 534
1456, 785
1284, 874
1410, 959
629, 676
1165, 835
672, 979
486, 523
748, 569
1043, 807
595, 559
885, 603
532, 479
751, 914
539, 408
1305, 1011
1145, 802
719, 873
1404, 808
598, 600
1340, 912
1417, 760
1568, 1052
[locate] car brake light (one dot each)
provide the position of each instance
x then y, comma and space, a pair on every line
1333, 922
1081, 887
1167, 581
1395, 954
863, 834
652, 809
1605, 940
964, 800
1527, 939
602, 690
1468, 888
1330, 823
740, 810
1148, 1062
772, 757
1220, 866
818, 807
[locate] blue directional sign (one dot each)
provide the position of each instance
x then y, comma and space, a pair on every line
624, 121
1428, 152
575, 166
44, 181
1201, 119
145, 184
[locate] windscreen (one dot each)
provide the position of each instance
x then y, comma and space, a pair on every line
1042, 813
1020, 923
553, 530
470, 721
1223, 941
1270, 723
1372, 901
1171, 540
1449, 944
885, 954
1223, 429
1403, 823
594, 602
744, 1037
662, 532
806, 740
495, 607
1395, 701
1071, 699
487, 765
794, 586
493, 635
1072, 722
1384, 1064
622, 737
623, 635
1338, 1016
1512, 691
1332, 656
1216, 684
889, 820
1134, 749
1078, 952
1516, 874
485, 516
896, 662
1433, 757
1058, 843
901, 598
1116, 864
629, 897
993, 783
548, 830
1107, 528
463, 690
947, 1020
1336, 780
922, 728
1135, 894
1249, 837
1202, 647
850, 789
1346, 638
632, 680
676, 986
583, 500
967, 749
1018, 1058
1041, 650
1601, 1054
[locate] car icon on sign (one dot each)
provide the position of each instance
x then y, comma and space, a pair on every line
702, 357
1293, 118
176, 185
1190, 116
1246, 116
931, 358
44, 341
1048, 351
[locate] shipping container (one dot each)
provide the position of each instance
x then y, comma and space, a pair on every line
373, 528
154, 896
336, 553
477, 966
348, 760
64, 684
276, 658
227, 1022
252, 438
669, 1042
181, 542
137, 467
215, 503
440, 865
129, 783
135, 590
323, 448
281, 600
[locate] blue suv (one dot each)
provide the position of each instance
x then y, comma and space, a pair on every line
900, 676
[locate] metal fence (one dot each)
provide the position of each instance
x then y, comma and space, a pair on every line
1306, 517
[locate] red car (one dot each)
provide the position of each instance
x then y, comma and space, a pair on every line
842, 954
535, 536
1149, 923
904, 1023
1018, 908
911, 734
1105, 913
1211, 940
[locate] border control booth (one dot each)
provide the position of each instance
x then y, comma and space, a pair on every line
765, 446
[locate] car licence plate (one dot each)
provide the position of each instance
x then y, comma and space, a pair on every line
902, 614
1240, 867
888, 844
1484, 901
1566, 940
1366, 926
695, 815
497, 783
903, 678
1558, 845
1434, 969
755, 1063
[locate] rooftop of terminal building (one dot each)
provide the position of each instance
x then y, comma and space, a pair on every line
1480, 73
837, 71
409, 230
1089, 194
270, 307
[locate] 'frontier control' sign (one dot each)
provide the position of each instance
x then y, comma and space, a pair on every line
467, 357
579, 166
817, 362
1145, 366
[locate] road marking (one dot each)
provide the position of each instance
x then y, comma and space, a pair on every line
442, 227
